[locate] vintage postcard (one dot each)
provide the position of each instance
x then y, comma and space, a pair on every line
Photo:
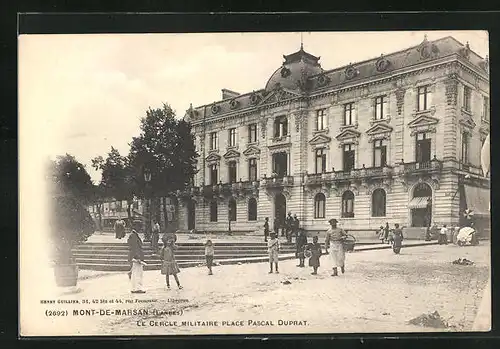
254, 183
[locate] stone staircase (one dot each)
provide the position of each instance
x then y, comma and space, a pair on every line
114, 256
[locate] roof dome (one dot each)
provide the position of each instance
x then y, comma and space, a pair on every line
295, 71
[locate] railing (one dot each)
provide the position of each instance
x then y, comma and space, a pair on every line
422, 166
320, 178
278, 181
280, 140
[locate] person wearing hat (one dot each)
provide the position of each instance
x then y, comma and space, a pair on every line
288, 227
301, 244
397, 238
266, 229
295, 226
334, 242
136, 259
273, 248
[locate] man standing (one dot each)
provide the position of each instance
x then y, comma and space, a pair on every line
386, 232
288, 227
276, 226
334, 241
266, 229
443, 236
136, 259
300, 244
295, 226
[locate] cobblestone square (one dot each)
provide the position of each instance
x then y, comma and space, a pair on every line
380, 292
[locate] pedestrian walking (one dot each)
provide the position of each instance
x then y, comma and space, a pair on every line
136, 259
266, 229
209, 255
334, 242
273, 248
119, 228
443, 236
397, 239
386, 233
155, 236
169, 265
316, 253
428, 236
301, 244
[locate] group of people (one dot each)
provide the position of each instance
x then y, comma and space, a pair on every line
169, 264
289, 228
393, 236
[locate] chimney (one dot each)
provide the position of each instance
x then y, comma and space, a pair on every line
227, 94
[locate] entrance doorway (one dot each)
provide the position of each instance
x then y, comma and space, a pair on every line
191, 214
280, 208
421, 206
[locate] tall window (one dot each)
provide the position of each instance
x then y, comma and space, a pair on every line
348, 157
349, 114
252, 209
486, 109
319, 205
320, 119
320, 161
280, 164
424, 98
252, 133
348, 204
465, 148
214, 144
423, 148
380, 107
467, 98
252, 169
232, 210
231, 165
280, 126
214, 174
379, 153
378, 203
213, 211
232, 137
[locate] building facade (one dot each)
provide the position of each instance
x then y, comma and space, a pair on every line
393, 139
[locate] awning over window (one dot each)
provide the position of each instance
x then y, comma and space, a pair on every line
478, 200
420, 202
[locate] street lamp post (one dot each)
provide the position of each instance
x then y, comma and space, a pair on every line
147, 180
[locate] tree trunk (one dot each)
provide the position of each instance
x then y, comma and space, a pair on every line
165, 215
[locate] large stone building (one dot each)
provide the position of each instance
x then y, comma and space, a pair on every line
392, 139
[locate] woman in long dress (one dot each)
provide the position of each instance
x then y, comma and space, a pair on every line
334, 242
136, 259
169, 264
398, 239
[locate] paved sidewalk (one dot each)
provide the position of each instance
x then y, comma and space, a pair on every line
380, 292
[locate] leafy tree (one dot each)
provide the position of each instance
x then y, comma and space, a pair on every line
71, 177
117, 178
165, 147
71, 190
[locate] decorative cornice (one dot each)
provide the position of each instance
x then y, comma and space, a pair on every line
320, 139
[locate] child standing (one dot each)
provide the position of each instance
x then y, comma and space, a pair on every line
209, 255
315, 249
169, 265
273, 247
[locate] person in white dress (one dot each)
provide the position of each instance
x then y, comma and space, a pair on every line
334, 243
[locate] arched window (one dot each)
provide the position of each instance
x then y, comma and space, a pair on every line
232, 210
378, 203
213, 211
252, 209
348, 204
319, 205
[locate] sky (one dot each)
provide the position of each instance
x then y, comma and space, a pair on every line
82, 94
